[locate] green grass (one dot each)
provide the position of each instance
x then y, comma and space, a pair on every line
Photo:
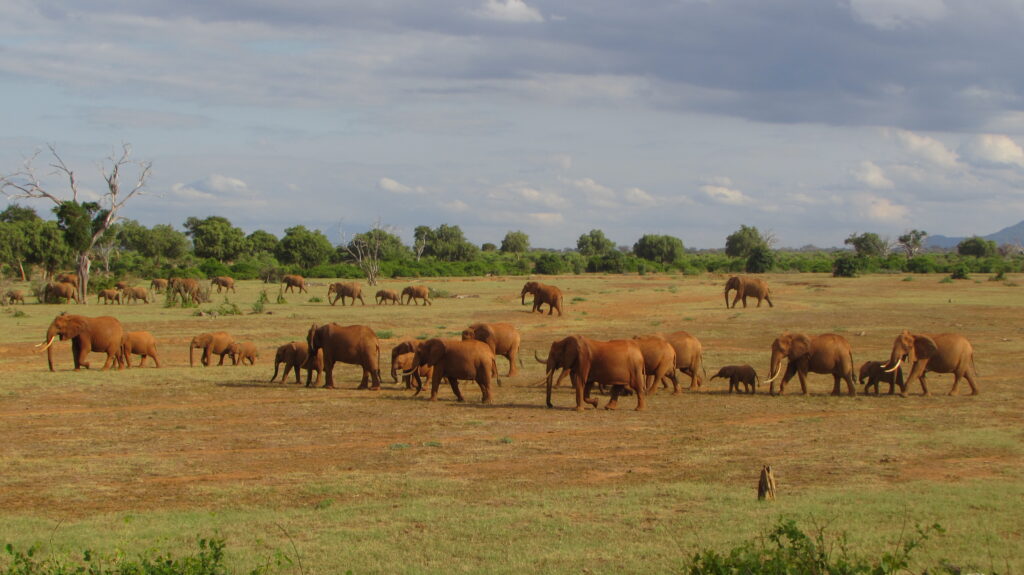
380, 482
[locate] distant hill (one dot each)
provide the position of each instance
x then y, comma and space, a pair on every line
1011, 235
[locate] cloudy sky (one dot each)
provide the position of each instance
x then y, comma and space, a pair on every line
812, 119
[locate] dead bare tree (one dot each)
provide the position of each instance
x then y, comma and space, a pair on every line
366, 249
25, 183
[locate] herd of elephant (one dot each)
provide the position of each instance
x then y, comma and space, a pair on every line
629, 366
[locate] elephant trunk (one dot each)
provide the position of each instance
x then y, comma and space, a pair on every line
277, 363
191, 348
549, 377
775, 367
523, 297
726, 297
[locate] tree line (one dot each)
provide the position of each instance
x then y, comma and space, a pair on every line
213, 246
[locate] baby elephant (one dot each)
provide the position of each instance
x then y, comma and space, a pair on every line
14, 295
739, 374
240, 352
873, 372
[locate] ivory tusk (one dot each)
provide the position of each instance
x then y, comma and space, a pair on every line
895, 367
777, 372
45, 346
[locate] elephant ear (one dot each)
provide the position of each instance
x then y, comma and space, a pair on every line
924, 347
435, 352
584, 358
801, 346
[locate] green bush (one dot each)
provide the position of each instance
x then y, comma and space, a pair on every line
790, 551
213, 268
960, 271
845, 266
209, 560
550, 264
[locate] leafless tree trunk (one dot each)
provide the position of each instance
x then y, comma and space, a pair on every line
766, 484
26, 184
366, 251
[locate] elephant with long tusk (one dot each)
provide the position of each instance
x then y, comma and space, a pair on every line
827, 353
941, 353
99, 334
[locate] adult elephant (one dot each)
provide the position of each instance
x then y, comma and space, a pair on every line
292, 281
355, 344
502, 338
185, 288
689, 357
543, 294
15, 295
941, 353
659, 362
341, 290
618, 363
224, 283
108, 295
61, 290
874, 372
158, 285
404, 363
452, 360
295, 355
747, 287
212, 343
387, 295
100, 334
71, 278
827, 353
412, 293
132, 294
140, 343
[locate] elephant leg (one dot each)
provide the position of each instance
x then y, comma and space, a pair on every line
222, 356
613, 403
581, 395
329, 373
924, 385
969, 376
142, 360
641, 399
849, 385
734, 384
651, 383
956, 384
694, 384
892, 388
455, 389
109, 362
835, 384
365, 379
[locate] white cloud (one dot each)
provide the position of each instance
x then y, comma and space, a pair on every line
218, 190
546, 217
994, 150
509, 11
458, 206
546, 198
726, 195
894, 14
592, 188
928, 149
880, 209
639, 197
871, 175
389, 185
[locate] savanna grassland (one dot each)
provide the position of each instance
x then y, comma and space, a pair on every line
366, 481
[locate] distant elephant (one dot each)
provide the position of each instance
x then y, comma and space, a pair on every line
747, 287
689, 357
158, 285
659, 362
543, 294
293, 281
140, 343
403, 363
108, 295
738, 374
122, 285
99, 334
223, 283
502, 338
341, 290
874, 372
185, 288
61, 290
295, 355
401, 348
941, 353
826, 353
67, 277
452, 360
618, 363
212, 343
412, 293
387, 295
243, 351
14, 295
355, 344
132, 294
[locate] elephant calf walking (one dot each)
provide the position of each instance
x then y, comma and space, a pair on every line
738, 374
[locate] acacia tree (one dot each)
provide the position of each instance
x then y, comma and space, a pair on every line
83, 224
912, 242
